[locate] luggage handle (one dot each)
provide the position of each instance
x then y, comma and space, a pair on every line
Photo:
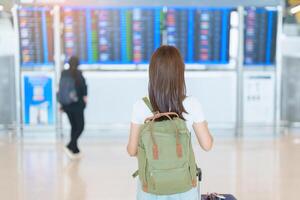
212, 195
199, 174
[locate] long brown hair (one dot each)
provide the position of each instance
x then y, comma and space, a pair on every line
166, 87
74, 63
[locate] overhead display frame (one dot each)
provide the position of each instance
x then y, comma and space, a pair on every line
242, 53
36, 37
260, 36
126, 35
137, 3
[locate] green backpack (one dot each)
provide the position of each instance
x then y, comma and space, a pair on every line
166, 159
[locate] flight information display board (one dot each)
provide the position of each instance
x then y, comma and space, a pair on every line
111, 35
201, 34
143, 33
178, 28
211, 36
260, 36
105, 36
36, 36
74, 33
129, 35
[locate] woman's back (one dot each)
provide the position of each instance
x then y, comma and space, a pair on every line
194, 113
80, 86
167, 93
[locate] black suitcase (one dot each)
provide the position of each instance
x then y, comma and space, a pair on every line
213, 196
217, 197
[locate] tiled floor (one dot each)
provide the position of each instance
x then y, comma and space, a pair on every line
35, 168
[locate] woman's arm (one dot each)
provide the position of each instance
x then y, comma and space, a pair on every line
133, 139
204, 137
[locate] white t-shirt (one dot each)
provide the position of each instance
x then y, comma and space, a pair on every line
191, 104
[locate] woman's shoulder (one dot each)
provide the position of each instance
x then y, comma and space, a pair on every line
192, 104
194, 109
190, 100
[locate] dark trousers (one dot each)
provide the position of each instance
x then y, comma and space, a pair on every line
76, 118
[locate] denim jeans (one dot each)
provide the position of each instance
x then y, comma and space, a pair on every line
189, 195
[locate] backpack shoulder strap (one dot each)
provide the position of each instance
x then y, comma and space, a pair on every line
148, 103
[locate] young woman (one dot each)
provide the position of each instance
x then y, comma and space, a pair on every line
75, 110
167, 93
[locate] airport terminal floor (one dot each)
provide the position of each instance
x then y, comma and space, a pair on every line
35, 167
229, 66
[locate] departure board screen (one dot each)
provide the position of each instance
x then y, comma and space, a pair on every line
201, 35
130, 35
100, 35
36, 36
260, 36
211, 36
74, 33
143, 34
178, 27
105, 36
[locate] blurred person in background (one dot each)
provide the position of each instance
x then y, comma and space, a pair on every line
72, 96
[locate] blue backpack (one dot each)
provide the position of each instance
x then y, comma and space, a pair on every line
67, 91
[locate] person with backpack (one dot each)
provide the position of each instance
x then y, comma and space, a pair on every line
160, 132
72, 96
